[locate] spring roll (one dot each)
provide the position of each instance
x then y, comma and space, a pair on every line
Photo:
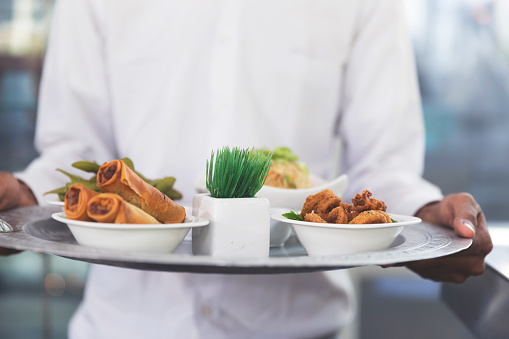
75, 202
117, 177
111, 208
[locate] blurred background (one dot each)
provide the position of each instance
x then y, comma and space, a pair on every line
462, 54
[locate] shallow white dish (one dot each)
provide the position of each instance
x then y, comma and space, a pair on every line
55, 202
319, 239
295, 198
280, 232
290, 198
150, 238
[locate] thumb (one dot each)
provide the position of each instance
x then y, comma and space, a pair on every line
465, 214
464, 226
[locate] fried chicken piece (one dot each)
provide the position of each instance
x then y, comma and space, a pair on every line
313, 200
326, 207
350, 212
371, 217
312, 217
363, 202
332, 211
338, 216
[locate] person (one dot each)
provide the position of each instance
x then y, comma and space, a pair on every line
166, 82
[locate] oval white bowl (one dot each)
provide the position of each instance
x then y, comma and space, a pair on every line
295, 198
320, 239
56, 202
151, 238
280, 232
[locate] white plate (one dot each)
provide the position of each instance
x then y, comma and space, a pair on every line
55, 202
152, 238
401, 220
321, 239
291, 198
295, 198
280, 232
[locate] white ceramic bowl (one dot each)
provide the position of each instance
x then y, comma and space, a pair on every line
55, 202
320, 239
279, 231
152, 238
295, 198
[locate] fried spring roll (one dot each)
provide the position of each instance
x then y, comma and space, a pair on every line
117, 177
75, 203
111, 208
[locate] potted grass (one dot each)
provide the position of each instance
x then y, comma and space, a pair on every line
239, 222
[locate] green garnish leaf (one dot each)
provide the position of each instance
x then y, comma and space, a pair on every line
293, 216
393, 220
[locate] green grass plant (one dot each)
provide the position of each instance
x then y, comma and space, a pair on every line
236, 172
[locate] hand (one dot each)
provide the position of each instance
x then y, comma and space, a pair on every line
462, 213
13, 193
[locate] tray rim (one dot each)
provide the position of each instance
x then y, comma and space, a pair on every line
20, 240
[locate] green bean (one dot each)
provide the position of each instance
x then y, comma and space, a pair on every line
128, 162
173, 194
57, 190
89, 183
73, 177
165, 184
87, 166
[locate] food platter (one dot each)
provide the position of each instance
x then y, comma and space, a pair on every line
35, 230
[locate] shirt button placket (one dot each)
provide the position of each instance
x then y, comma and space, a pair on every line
206, 311
223, 73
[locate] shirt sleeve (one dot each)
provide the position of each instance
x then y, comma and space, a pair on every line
382, 125
73, 120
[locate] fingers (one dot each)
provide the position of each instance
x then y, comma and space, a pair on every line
7, 251
461, 212
14, 193
9, 191
465, 214
454, 269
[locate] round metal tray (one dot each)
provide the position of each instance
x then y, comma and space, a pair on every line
34, 230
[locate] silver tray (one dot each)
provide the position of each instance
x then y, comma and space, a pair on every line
34, 230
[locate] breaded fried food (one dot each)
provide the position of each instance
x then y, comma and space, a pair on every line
372, 217
326, 207
112, 208
363, 202
312, 217
116, 177
313, 200
331, 210
338, 216
75, 202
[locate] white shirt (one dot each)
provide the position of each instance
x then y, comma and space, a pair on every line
166, 82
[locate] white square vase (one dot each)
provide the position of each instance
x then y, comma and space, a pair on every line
238, 227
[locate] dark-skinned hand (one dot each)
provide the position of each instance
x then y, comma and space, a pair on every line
462, 213
13, 193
